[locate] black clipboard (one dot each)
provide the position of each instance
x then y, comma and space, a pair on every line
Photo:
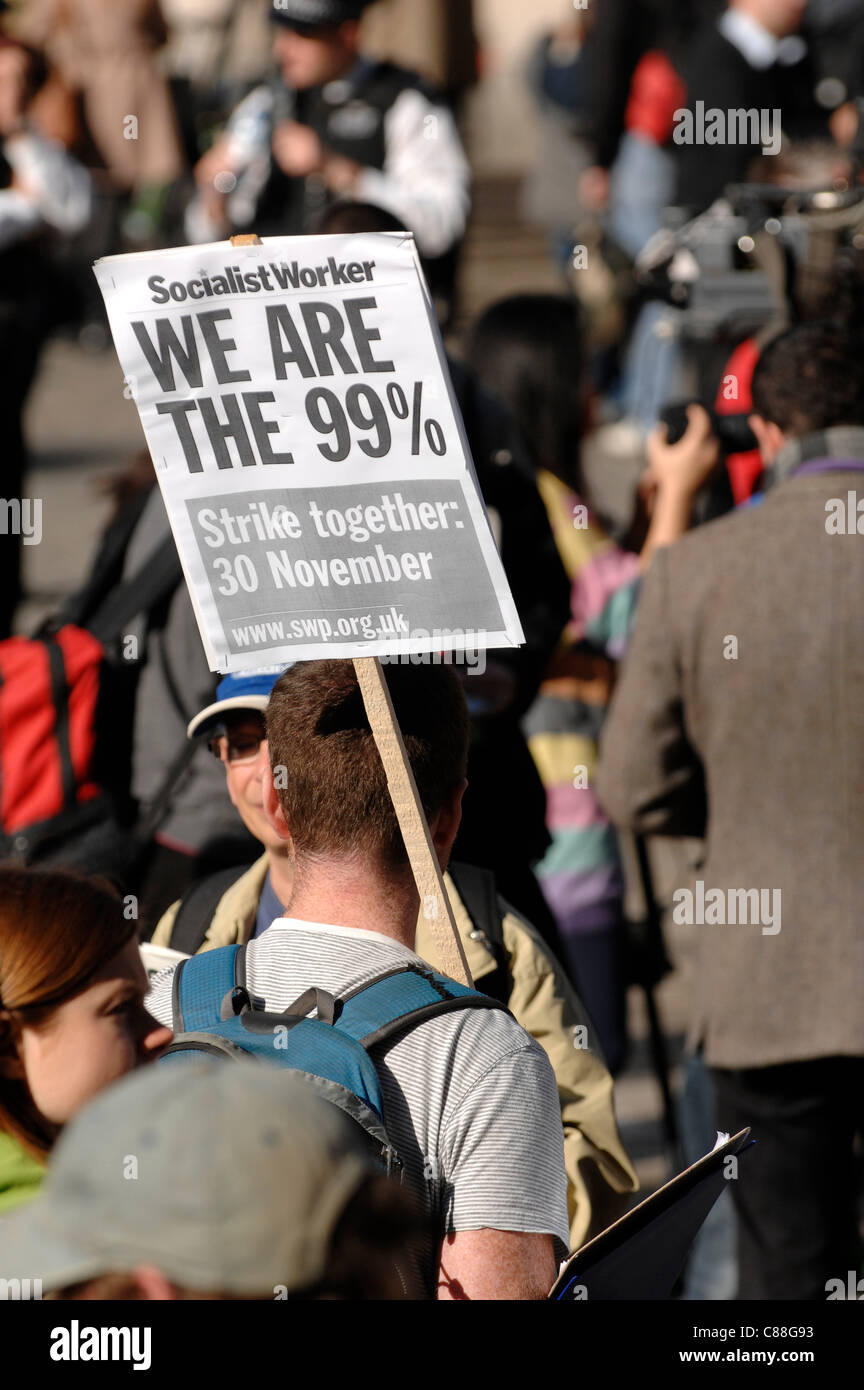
641, 1256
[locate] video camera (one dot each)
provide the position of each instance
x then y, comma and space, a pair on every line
764, 256
762, 253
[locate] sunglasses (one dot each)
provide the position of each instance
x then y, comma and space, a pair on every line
238, 745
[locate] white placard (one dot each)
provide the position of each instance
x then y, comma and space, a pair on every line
300, 415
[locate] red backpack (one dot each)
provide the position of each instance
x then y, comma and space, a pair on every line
66, 713
49, 689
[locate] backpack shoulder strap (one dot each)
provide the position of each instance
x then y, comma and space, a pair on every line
479, 893
156, 578
201, 983
401, 998
197, 909
106, 569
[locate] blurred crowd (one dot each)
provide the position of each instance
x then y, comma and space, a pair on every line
691, 662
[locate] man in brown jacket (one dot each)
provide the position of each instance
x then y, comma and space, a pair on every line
740, 717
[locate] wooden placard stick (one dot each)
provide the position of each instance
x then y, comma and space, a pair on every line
412, 819
406, 800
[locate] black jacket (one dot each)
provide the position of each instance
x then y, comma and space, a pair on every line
623, 31
716, 73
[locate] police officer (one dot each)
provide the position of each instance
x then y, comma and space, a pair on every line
333, 124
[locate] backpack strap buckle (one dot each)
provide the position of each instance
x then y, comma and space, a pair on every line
235, 1002
311, 999
202, 986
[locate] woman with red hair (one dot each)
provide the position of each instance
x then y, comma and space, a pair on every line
72, 1016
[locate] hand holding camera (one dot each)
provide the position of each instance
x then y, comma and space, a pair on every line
686, 465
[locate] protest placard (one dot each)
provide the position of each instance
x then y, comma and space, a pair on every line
297, 405
285, 563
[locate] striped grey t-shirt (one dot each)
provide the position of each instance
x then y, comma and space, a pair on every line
469, 1098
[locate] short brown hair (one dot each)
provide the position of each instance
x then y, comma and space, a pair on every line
56, 930
336, 799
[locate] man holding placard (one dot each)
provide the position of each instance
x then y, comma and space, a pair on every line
506, 955
318, 481
469, 1098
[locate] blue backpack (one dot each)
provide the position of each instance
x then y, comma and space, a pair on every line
215, 1015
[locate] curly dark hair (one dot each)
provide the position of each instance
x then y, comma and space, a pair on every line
811, 378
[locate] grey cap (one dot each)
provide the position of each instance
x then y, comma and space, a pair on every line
315, 13
225, 1176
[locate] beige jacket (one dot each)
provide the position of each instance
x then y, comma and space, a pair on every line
105, 49
599, 1173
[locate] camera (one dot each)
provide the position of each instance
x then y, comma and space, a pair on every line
733, 431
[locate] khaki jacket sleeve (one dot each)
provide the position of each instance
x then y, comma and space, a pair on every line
600, 1175
165, 926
